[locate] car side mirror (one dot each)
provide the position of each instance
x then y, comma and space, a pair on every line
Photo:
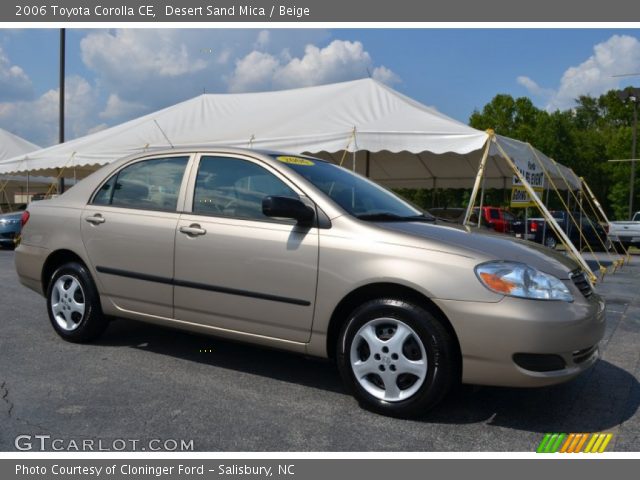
287, 207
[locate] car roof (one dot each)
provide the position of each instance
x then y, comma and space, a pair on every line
200, 148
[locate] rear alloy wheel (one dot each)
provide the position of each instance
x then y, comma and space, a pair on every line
396, 357
73, 304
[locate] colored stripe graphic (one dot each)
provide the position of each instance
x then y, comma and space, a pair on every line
574, 443
606, 442
582, 441
590, 443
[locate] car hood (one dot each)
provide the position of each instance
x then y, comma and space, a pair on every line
487, 245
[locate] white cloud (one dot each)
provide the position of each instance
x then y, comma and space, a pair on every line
384, 75
253, 71
15, 84
136, 71
339, 61
37, 120
117, 108
263, 40
156, 68
223, 57
534, 88
618, 55
140, 51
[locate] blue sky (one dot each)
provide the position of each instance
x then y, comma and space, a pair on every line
114, 75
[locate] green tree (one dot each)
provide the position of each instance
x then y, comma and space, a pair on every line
583, 138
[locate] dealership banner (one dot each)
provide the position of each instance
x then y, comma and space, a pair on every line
316, 469
277, 11
520, 197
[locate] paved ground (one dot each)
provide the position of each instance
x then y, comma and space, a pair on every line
145, 382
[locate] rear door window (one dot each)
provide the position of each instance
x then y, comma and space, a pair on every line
147, 185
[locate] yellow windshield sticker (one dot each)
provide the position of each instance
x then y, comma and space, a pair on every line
295, 160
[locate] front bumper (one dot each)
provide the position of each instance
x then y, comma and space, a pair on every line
491, 334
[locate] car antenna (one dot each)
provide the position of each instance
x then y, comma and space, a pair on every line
164, 134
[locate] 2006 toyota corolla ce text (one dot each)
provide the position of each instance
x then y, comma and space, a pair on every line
297, 253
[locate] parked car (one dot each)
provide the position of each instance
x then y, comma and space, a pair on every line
297, 253
10, 224
591, 233
498, 218
626, 233
493, 218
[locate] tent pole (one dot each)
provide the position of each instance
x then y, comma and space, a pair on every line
552, 221
28, 197
481, 203
594, 201
479, 177
574, 222
544, 227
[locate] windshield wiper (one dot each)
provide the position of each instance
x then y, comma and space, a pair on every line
392, 217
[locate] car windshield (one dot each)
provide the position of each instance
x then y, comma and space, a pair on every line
357, 195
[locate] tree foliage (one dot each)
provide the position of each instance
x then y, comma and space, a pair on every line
582, 138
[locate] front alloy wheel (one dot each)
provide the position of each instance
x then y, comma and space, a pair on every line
388, 359
397, 357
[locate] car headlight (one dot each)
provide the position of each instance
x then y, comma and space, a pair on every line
520, 280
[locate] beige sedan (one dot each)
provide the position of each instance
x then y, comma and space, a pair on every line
296, 253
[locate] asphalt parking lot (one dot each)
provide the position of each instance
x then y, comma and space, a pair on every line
146, 382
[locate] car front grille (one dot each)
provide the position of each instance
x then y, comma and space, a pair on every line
8, 235
584, 354
581, 281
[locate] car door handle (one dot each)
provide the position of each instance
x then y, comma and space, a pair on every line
95, 219
193, 230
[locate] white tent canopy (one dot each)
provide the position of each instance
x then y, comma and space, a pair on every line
11, 145
397, 140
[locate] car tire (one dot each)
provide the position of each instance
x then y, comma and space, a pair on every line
401, 376
550, 242
73, 304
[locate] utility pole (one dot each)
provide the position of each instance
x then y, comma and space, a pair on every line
634, 137
61, 120
632, 95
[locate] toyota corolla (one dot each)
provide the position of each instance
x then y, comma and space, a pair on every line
296, 253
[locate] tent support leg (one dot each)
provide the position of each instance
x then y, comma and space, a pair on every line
479, 177
549, 218
594, 202
481, 203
